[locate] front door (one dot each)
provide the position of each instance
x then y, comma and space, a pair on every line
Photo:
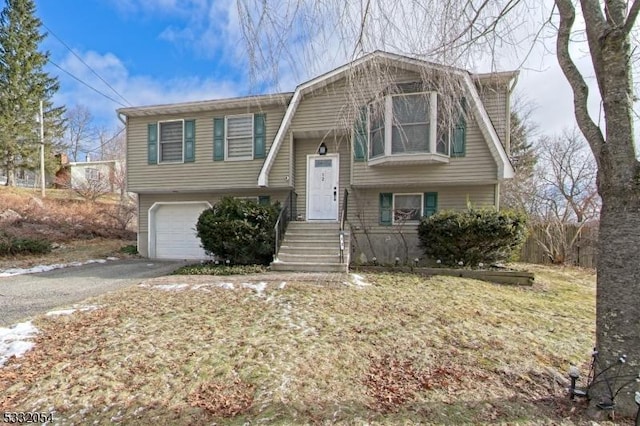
322, 187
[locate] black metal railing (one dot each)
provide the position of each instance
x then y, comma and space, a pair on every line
343, 220
286, 215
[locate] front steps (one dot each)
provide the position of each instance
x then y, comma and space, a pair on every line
312, 247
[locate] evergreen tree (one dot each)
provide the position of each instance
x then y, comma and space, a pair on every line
23, 84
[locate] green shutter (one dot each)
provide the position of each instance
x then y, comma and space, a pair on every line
386, 208
189, 141
430, 203
218, 139
264, 200
360, 136
258, 136
458, 145
152, 143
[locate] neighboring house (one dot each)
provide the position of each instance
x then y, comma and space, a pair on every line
381, 148
98, 175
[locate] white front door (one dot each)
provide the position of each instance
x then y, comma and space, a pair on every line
322, 187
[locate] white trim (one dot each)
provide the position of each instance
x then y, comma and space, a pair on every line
151, 241
336, 167
226, 138
393, 208
159, 150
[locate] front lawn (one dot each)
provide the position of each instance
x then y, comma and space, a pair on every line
295, 348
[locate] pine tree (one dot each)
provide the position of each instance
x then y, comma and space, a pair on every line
23, 84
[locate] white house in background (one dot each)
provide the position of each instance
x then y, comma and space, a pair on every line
102, 175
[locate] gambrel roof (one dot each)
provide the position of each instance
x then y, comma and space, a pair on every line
505, 169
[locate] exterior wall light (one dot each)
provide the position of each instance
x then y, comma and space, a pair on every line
322, 149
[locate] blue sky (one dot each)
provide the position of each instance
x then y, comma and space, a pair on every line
163, 51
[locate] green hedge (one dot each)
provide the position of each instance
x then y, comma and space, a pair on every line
239, 230
472, 236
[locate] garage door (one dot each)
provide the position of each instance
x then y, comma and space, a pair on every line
175, 235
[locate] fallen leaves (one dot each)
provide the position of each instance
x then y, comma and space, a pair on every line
223, 398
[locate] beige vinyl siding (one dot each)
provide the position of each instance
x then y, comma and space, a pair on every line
476, 166
364, 204
495, 98
335, 106
304, 147
146, 201
281, 173
203, 174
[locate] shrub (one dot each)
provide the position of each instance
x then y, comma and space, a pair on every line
11, 245
239, 230
472, 236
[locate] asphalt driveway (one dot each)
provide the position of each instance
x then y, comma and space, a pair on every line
24, 296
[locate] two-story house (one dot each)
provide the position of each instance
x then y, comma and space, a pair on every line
357, 156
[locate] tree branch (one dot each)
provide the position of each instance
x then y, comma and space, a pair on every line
632, 16
576, 81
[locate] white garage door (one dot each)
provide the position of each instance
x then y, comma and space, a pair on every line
175, 234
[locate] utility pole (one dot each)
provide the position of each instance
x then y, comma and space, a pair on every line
42, 179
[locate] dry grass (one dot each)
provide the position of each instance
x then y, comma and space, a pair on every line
60, 217
405, 349
80, 230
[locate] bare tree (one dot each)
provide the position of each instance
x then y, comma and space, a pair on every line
80, 132
456, 32
566, 198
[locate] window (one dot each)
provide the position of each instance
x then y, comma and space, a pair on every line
407, 208
401, 124
239, 137
399, 209
171, 141
410, 132
407, 128
91, 174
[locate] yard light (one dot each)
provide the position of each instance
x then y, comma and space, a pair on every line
374, 260
216, 262
228, 262
397, 261
415, 261
574, 375
438, 261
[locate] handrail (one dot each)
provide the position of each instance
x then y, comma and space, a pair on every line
343, 219
286, 214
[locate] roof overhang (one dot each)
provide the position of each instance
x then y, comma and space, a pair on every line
206, 106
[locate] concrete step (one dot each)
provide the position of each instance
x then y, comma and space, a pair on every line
309, 267
310, 247
298, 257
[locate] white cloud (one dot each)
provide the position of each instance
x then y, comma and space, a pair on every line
137, 89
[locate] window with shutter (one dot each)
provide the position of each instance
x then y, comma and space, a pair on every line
239, 137
171, 141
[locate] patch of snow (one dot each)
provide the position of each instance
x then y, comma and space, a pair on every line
14, 341
45, 268
227, 286
171, 287
72, 310
358, 281
112, 258
282, 285
258, 288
